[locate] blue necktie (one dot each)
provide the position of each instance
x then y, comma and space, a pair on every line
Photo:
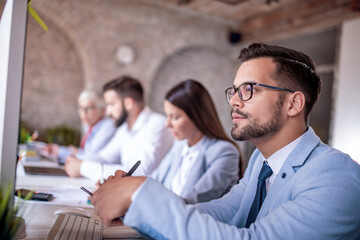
260, 194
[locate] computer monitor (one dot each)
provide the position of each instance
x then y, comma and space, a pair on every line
12, 47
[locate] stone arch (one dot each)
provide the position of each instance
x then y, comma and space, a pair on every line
53, 77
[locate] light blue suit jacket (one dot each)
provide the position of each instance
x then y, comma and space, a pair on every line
319, 198
102, 132
215, 171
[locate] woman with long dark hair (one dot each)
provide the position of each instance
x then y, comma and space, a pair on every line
204, 163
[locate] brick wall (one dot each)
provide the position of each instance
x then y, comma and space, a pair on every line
52, 78
79, 51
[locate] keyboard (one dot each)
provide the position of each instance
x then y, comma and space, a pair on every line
75, 227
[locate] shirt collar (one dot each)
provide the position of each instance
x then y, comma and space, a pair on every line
98, 125
140, 120
277, 159
95, 127
193, 149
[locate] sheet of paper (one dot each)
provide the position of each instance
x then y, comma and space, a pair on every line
66, 195
66, 190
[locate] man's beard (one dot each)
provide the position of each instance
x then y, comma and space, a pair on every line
256, 130
121, 119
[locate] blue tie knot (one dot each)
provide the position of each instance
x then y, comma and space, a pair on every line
265, 172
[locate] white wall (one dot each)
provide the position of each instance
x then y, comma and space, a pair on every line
346, 128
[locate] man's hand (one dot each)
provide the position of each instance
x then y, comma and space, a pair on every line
72, 166
113, 198
73, 150
118, 173
51, 150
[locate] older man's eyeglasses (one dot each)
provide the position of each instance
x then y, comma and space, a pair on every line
245, 90
86, 109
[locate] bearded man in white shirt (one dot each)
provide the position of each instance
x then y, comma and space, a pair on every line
141, 135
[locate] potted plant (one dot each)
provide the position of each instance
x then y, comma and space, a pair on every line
10, 214
62, 135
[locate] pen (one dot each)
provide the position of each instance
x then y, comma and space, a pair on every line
131, 171
85, 190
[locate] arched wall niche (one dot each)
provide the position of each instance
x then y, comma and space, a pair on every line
214, 69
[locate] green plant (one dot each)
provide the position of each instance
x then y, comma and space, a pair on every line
62, 135
24, 135
9, 221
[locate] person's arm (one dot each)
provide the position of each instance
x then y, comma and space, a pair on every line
51, 150
108, 160
314, 213
97, 171
175, 219
222, 171
105, 163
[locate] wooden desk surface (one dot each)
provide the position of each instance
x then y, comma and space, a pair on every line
39, 217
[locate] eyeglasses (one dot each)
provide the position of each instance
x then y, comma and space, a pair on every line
245, 91
86, 109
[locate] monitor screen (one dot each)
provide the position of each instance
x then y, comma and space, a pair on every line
12, 46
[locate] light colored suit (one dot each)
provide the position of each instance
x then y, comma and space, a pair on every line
101, 133
215, 171
319, 198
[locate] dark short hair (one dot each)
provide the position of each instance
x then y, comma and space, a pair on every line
294, 70
192, 97
126, 86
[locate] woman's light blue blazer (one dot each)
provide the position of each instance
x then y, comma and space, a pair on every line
214, 172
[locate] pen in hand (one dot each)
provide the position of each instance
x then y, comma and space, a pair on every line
131, 171
85, 190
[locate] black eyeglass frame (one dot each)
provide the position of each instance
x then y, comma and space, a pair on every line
251, 91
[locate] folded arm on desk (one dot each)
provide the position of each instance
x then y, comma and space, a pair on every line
159, 213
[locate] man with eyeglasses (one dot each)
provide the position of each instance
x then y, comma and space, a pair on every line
295, 186
97, 129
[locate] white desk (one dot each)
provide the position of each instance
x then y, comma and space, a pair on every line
39, 216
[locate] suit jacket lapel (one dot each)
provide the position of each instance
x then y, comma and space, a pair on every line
293, 163
198, 167
240, 218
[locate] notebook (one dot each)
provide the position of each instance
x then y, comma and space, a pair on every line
53, 171
44, 167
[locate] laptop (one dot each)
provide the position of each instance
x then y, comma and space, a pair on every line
41, 170
43, 166
36, 163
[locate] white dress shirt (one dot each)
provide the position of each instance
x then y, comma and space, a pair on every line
277, 159
101, 133
189, 155
148, 141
